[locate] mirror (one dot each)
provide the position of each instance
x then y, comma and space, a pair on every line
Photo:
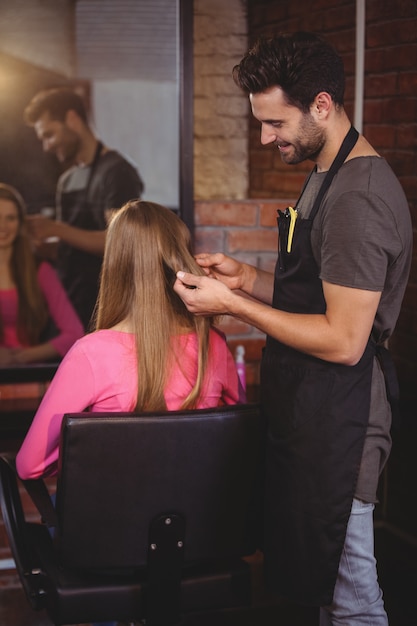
133, 63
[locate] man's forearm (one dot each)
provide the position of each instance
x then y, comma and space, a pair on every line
87, 240
33, 354
259, 284
339, 335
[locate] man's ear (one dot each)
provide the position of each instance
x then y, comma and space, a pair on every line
72, 119
322, 105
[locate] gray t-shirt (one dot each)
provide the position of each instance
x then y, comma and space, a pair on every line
362, 238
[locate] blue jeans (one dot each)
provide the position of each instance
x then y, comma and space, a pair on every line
357, 599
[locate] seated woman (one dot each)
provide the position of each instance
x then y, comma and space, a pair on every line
148, 352
31, 294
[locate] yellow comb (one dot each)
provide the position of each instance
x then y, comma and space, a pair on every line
293, 217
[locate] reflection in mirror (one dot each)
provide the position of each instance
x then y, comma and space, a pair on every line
132, 63
126, 58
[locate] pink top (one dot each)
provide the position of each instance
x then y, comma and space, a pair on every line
99, 373
59, 307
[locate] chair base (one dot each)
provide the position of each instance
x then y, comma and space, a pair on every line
88, 596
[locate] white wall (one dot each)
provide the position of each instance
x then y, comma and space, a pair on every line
140, 119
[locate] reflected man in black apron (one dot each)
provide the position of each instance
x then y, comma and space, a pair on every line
99, 181
343, 263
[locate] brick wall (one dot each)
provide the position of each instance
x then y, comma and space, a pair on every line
220, 109
389, 115
390, 123
246, 230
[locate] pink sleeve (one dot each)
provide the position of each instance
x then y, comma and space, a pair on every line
60, 309
232, 392
72, 390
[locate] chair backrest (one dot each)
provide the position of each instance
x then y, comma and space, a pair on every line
120, 472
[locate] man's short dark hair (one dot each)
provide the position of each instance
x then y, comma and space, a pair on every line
302, 65
56, 102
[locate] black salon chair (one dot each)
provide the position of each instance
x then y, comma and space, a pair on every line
154, 513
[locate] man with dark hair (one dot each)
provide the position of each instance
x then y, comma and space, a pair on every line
101, 180
343, 263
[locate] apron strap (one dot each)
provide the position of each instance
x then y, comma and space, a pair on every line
344, 150
97, 154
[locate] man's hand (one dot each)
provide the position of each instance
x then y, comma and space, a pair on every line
6, 357
238, 275
224, 268
41, 228
202, 295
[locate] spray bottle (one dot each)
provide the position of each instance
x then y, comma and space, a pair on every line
240, 365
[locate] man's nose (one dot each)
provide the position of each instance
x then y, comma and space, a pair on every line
267, 135
47, 145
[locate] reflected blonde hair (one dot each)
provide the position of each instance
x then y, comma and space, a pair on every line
32, 312
146, 244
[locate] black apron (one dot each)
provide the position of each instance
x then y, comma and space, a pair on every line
80, 271
317, 414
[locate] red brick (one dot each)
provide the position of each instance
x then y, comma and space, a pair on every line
400, 110
400, 162
268, 211
380, 135
375, 61
340, 18
406, 345
209, 240
253, 347
381, 34
407, 135
407, 321
380, 85
285, 184
344, 42
225, 213
409, 184
373, 111
262, 159
395, 31
410, 298
401, 57
253, 239
252, 378
349, 62
407, 83
255, 182
388, 9
231, 326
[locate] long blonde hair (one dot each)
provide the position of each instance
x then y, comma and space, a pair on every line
146, 245
32, 312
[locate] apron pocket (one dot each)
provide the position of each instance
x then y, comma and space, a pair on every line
298, 395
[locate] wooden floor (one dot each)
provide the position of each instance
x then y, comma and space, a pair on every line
397, 560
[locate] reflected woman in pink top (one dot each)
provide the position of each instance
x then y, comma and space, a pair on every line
148, 352
30, 294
